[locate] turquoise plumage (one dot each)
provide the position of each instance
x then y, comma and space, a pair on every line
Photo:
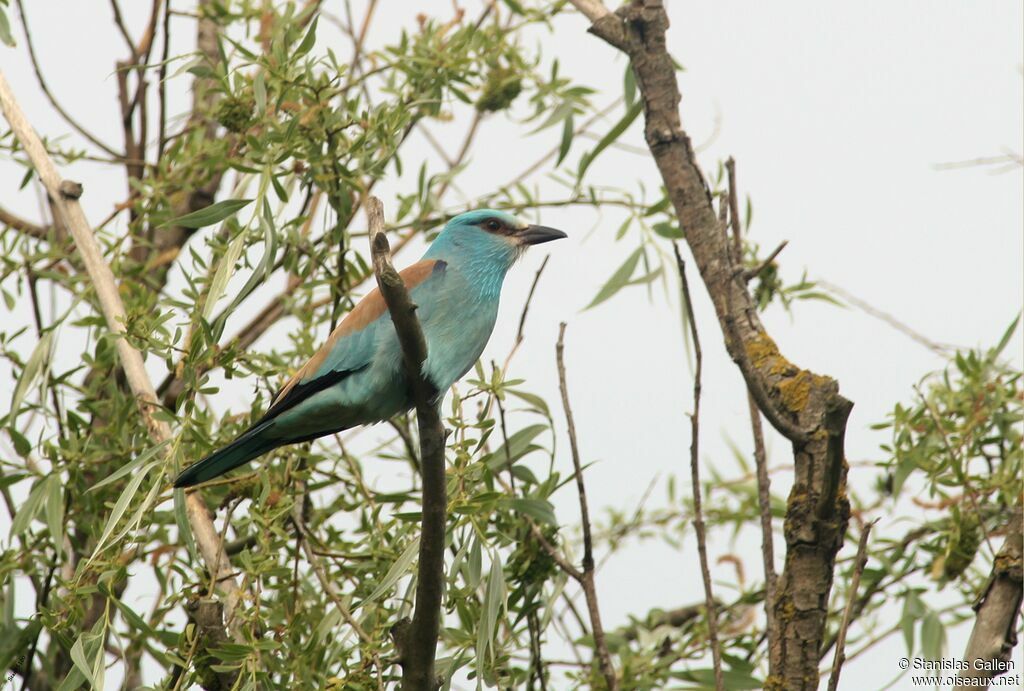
357, 376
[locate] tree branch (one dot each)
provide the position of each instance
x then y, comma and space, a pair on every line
49, 95
417, 640
803, 406
22, 225
698, 514
587, 576
994, 636
858, 568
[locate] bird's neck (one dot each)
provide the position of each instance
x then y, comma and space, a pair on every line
482, 266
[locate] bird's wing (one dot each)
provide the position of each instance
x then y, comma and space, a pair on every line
351, 345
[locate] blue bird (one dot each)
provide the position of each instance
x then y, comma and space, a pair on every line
357, 376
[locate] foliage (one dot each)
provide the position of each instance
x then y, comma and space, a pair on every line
232, 199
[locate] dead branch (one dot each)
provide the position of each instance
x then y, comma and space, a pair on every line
698, 514
858, 568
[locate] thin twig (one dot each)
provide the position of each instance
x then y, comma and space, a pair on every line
942, 349
756, 271
698, 517
764, 505
587, 581
760, 456
858, 569
49, 94
416, 640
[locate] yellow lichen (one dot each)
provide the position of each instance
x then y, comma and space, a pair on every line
796, 390
764, 354
760, 349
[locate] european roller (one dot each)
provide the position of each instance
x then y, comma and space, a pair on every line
357, 376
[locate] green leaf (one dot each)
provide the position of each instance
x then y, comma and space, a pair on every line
55, 508
28, 511
933, 636
619, 279
540, 509
122, 504
518, 446
732, 678
265, 267
568, 130
397, 570
5, 32
21, 444
259, 91
475, 565
913, 608
214, 213
78, 658
225, 269
538, 403
307, 41
131, 466
629, 85
672, 231
1005, 340
37, 365
184, 529
608, 139
494, 601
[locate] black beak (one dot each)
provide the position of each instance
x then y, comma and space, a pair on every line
535, 235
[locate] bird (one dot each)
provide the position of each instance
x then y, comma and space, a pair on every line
357, 377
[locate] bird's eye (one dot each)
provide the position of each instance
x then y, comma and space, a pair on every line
493, 225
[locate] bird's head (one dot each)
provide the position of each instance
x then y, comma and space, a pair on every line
490, 235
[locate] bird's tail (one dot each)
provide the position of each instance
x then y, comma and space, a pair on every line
248, 446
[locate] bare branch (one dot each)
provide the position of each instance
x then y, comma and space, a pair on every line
698, 514
22, 225
756, 271
587, 576
764, 505
858, 568
865, 307
49, 94
417, 640
591, 9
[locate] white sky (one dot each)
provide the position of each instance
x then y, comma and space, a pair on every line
836, 115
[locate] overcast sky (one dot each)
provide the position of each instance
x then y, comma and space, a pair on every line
838, 117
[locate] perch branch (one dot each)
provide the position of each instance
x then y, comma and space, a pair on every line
417, 640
